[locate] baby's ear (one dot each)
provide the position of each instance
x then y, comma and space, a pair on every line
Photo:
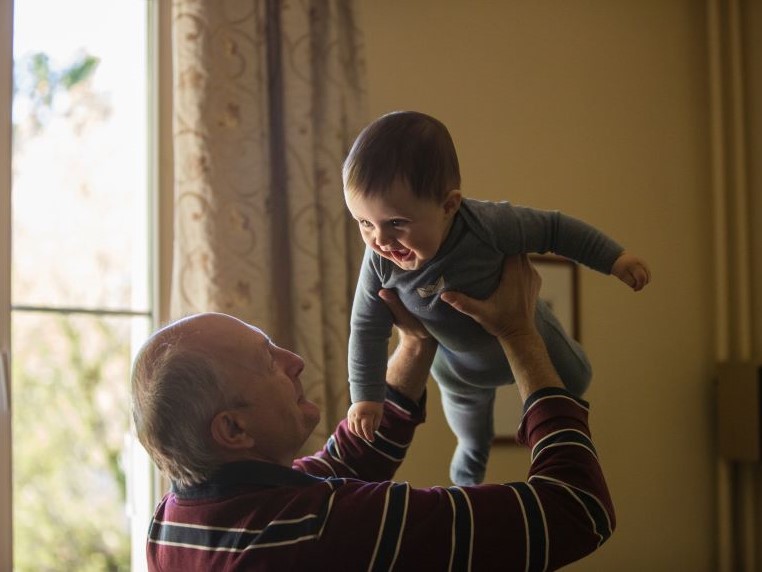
452, 201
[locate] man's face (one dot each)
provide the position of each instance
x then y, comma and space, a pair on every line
400, 226
265, 378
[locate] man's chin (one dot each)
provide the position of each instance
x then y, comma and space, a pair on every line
311, 412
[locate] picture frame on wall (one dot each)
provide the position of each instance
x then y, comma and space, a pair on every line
560, 290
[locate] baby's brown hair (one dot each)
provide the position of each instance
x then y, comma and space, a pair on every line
403, 145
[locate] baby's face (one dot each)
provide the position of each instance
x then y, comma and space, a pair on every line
402, 227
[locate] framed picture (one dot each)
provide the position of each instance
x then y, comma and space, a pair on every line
560, 277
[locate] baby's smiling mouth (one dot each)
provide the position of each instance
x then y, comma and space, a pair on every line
401, 254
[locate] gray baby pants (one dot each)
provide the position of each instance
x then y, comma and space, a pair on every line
469, 407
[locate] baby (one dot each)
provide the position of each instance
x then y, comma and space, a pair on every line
402, 185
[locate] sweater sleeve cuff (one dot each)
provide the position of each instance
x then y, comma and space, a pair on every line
551, 392
416, 411
546, 404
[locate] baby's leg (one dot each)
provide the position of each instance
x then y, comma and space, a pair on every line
469, 413
566, 353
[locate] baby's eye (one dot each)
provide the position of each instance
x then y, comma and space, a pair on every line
365, 223
396, 223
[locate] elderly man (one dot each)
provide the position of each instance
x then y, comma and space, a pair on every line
221, 411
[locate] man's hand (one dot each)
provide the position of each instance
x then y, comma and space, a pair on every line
364, 418
409, 365
508, 314
632, 271
510, 308
408, 325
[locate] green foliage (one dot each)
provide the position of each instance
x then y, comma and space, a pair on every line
79, 71
44, 80
41, 83
70, 417
70, 377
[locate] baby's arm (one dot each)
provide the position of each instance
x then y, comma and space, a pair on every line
364, 418
408, 367
632, 271
532, 230
371, 328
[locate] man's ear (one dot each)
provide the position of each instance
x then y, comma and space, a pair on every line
452, 201
228, 433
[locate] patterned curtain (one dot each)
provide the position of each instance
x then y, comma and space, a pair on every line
268, 99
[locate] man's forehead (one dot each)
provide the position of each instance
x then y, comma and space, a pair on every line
213, 328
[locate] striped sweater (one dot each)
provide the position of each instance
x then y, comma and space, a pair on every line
337, 510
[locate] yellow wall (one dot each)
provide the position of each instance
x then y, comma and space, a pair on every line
599, 109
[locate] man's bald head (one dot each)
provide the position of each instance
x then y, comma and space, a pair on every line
179, 382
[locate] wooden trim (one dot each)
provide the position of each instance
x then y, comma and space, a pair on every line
6, 97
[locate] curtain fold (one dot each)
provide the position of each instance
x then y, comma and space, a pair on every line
268, 99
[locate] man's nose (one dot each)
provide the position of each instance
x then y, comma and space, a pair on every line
295, 364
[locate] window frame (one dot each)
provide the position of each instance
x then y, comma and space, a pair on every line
6, 97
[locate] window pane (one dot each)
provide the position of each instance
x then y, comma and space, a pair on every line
70, 421
79, 160
80, 240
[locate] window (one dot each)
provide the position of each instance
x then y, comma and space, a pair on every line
79, 298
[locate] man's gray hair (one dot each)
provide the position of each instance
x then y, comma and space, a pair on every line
176, 392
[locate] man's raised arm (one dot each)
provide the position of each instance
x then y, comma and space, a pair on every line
508, 314
558, 515
346, 454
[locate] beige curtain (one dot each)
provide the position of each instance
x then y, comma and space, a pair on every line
268, 98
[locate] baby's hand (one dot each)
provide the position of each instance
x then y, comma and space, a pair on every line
364, 417
632, 271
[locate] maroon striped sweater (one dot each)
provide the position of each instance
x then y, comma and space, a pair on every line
337, 510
